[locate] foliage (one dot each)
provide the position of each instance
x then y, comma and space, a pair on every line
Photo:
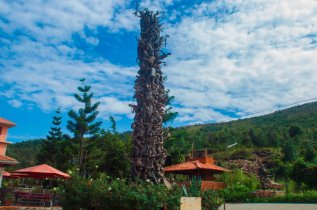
310, 153
110, 154
113, 124
301, 197
236, 193
49, 147
82, 123
211, 200
107, 193
290, 151
25, 152
305, 173
169, 115
237, 178
294, 131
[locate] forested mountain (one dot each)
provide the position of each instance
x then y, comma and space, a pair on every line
270, 130
297, 125
25, 152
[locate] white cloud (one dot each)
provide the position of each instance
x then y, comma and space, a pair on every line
15, 103
258, 56
238, 56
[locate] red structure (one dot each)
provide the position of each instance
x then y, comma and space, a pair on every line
199, 166
41, 172
5, 160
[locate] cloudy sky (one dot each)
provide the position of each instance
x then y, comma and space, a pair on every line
230, 58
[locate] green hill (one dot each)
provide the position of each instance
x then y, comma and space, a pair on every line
273, 130
297, 124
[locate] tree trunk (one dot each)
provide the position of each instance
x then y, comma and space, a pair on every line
148, 155
80, 155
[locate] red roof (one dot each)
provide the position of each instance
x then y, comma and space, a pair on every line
6, 122
42, 171
5, 160
193, 165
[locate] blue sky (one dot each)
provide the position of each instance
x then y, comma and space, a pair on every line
230, 59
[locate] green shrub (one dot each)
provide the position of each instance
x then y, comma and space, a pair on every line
211, 200
118, 194
237, 177
236, 193
106, 193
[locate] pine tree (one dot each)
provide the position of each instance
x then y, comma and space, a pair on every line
254, 138
82, 122
290, 151
310, 153
113, 125
272, 138
56, 133
50, 145
169, 115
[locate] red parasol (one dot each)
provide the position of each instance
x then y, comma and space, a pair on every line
6, 174
41, 172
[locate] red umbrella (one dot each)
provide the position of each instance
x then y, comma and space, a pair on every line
6, 174
41, 172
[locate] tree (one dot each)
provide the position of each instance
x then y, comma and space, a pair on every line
272, 138
254, 138
169, 115
148, 154
310, 153
295, 130
113, 125
299, 172
56, 133
246, 140
82, 122
50, 145
290, 151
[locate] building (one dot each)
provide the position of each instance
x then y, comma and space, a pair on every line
5, 160
199, 166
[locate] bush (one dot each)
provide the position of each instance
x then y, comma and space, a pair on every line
236, 193
106, 193
241, 194
117, 194
211, 200
237, 177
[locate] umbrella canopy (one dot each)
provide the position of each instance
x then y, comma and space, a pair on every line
6, 174
13, 175
41, 172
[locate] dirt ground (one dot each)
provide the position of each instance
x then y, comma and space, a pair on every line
268, 206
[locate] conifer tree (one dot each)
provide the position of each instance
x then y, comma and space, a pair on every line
113, 125
82, 123
169, 115
290, 151
56, 133
49, 147
310, 153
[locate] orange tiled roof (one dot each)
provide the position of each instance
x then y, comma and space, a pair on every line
5, 160
193, 165
6, 122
